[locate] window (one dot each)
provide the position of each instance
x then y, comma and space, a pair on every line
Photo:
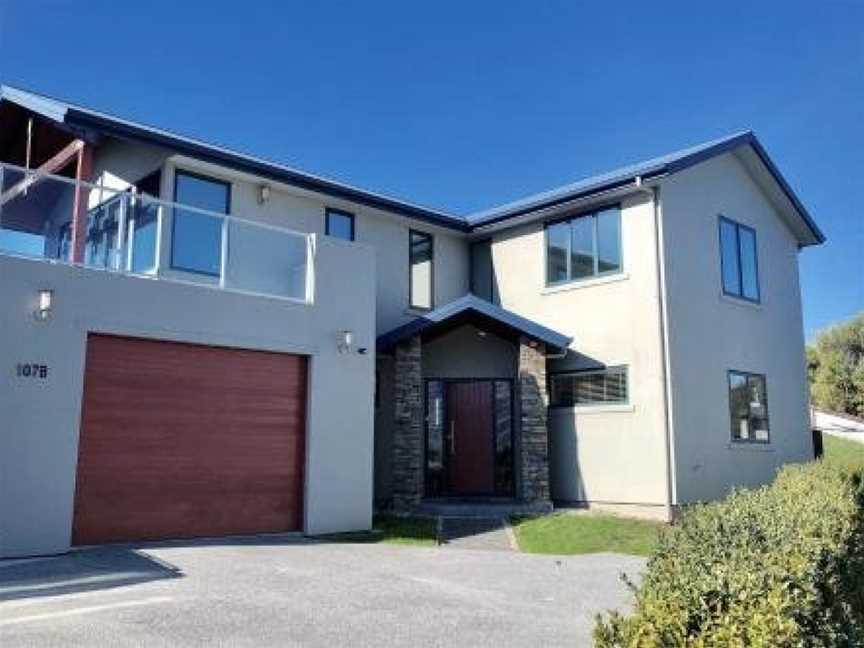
482, 272
594, 387
748, 405
420, 279
197, 238
586, 246
339, 224
738, 265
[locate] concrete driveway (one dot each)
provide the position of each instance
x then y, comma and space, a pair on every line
271, 591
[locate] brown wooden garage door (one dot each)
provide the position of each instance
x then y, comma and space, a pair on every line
180, 440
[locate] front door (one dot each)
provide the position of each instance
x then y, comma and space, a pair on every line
469, 438
472, 457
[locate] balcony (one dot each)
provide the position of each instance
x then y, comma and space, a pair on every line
119, 230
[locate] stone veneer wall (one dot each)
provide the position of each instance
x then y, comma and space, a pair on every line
534, 403
407, 464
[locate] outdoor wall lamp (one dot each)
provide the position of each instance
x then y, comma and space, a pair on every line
263, 194
46, 303
345, 341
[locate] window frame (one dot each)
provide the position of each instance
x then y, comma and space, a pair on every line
199, 176
588, 213
328, 211
747, 375
590, 372
472, 287
738, 227
411, 305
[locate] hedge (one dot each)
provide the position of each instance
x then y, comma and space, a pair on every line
782, 565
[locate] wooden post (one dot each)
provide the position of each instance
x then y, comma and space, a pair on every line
83, 171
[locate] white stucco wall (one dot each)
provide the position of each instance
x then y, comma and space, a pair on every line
611, 454
710, 334
40, 418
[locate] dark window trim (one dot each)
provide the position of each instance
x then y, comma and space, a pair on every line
199, 176
411, 304
738, 227
340, 212
583, 213
585, 372
747, 374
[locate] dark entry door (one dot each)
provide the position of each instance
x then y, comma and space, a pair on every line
472, 448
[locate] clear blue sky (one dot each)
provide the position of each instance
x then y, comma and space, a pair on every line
464, 105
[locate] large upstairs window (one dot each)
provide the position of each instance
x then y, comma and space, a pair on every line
585, 246
738, 264
197, 239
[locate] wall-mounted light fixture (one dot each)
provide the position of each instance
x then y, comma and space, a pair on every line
263, 194
345, 341
46, 303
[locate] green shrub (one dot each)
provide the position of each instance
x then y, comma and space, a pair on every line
782, 565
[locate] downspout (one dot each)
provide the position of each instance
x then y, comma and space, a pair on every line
663, 319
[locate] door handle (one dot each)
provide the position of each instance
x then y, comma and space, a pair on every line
452, 437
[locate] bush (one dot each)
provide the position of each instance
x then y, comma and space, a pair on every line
782, 565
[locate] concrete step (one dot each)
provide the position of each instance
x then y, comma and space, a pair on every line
481, 508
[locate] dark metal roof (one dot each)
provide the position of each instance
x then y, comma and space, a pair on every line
664, 165
90, 122
471, 304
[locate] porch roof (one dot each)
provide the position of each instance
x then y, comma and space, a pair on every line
471, 308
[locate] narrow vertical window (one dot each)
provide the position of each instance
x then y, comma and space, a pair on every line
739, 267
421, 270
482, 271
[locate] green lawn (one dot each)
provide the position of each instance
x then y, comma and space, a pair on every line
581, 533
393, 529
842, 451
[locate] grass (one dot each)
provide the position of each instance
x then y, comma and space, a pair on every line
583, 533
843, 452
394, 529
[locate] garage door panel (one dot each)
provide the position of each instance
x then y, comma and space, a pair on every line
181, 440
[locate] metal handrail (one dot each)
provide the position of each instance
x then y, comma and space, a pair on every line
131, 199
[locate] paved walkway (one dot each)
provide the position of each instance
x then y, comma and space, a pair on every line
485, 534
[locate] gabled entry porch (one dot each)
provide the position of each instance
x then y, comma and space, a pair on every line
462, 410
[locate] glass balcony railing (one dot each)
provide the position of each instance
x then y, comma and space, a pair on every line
124, 231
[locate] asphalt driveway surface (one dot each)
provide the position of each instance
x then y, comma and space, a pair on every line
277, 591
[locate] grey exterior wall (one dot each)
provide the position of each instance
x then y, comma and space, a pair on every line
40, 418
464, 353
709, 334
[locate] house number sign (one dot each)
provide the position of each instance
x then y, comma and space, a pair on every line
31, 370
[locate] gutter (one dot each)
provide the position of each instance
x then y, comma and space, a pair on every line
539, 212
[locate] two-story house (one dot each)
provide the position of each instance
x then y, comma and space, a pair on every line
199, 342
